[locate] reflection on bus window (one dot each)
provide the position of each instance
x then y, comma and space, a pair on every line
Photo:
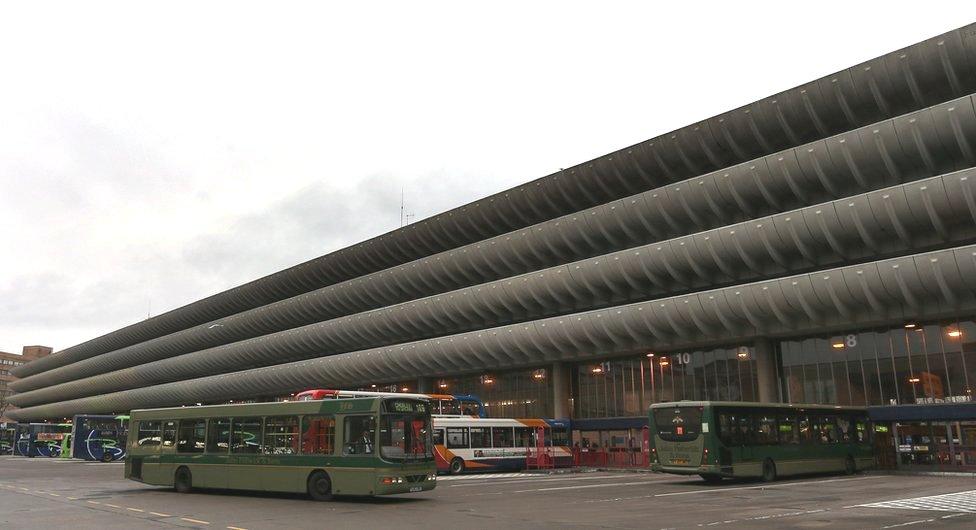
246, 436
218, 439
169, 434
150, 434
502, 437
787, 430
281, 435
457, 438
319, 435
439, 436
192, 434
479, 437
523, 437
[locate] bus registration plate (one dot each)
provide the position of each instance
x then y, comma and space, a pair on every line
415, 489
679, 460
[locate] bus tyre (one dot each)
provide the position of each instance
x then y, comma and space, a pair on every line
319, 486
106, 457
183, 480
849, 466
457, 466
768, 471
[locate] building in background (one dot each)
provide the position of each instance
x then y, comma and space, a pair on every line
9, 361
812, 246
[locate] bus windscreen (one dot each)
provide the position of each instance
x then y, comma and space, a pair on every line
678, 424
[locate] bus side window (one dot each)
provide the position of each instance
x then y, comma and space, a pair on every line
457, 438
523, 436
218, 439
191, 436
245, 436
319, 435
149, 434
169, 434
725, 430
480, 437
787, 430
828, 429
806, 430
438, 436
844, 429
861, 424
745, 431
281, 435
502, 437
359, 433
766, 429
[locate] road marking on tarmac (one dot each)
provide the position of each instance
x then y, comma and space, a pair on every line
586, 486
960, 501
135, 509
197, 521
157, 514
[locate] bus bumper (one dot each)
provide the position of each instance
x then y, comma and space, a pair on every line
392, 484
689, 470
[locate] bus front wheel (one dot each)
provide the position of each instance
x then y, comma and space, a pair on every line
106, 457
183, 481
457, 466
849, 466
320, 486
768, 471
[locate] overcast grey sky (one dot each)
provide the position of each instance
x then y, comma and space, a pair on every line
157, 154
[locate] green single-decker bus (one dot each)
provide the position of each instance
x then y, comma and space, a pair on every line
728, 439
361, 446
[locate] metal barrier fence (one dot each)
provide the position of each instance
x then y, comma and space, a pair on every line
610, 458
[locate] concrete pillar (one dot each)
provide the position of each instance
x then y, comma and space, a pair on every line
766, 368
560, 382
423, 385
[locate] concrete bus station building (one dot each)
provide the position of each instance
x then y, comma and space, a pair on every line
815, 246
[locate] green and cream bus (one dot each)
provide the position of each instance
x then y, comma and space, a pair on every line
362, 446
725, 439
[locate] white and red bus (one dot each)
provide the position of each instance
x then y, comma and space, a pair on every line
491, 444
441, 404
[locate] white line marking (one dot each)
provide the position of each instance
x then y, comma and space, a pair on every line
197, 521
112, 505
135, 509
909, 523
157, 514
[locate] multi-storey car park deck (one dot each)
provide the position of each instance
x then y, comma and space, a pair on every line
813, 246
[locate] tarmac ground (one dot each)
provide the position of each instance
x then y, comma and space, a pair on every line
77, 495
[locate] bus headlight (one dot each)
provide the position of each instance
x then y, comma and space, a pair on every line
392, 480
432, 476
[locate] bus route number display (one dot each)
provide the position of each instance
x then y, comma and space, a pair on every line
398, 405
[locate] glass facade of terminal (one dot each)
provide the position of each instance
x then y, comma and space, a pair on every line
910, 364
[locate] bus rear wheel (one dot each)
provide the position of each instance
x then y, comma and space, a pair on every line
319, 486
768, 470
711, 479
106, 457
457, 466
183, 480
850, 467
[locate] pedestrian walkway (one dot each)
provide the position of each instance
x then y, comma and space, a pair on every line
963, 501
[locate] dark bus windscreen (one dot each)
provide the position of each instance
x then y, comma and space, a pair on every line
678, 424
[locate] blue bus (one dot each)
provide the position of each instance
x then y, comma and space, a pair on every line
42, 439
99, 437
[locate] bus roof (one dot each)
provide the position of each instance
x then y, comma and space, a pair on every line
753, 404
328, 406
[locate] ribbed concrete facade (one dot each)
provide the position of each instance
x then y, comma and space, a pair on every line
845, 202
